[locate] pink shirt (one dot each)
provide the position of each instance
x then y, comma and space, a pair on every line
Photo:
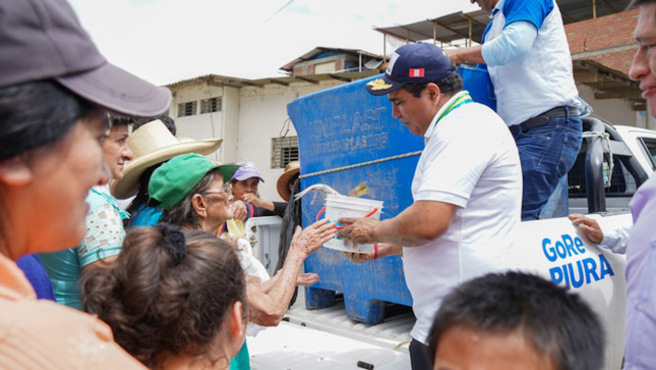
42, 334
640, 326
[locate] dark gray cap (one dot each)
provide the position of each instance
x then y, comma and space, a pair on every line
42, 39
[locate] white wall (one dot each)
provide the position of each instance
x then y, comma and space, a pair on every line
231, 104
199, 126
263, 113
645, 120
615, 111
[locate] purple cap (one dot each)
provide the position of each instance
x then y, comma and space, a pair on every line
418, 63
42, 39
246, 171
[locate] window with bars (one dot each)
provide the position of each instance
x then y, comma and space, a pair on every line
283, 151
187, 109
211, 105
622, 183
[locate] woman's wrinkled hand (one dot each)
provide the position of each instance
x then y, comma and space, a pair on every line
306, 279
312, 237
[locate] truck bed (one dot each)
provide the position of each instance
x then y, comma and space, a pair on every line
327, 339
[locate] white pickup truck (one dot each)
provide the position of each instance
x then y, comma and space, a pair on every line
613, 162
347, 136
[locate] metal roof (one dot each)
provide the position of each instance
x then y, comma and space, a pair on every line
220, 81
320, 50
446, 28
606, 76
454, 26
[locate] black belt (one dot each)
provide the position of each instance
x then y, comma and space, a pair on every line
541, 119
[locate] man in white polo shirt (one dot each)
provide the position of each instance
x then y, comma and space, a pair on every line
526, 52
467, 186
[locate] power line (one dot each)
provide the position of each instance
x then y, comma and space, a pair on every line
279, 10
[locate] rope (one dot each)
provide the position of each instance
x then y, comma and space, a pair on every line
606, 141
360, 164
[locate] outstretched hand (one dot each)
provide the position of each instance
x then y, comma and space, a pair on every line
307, 279
312, 237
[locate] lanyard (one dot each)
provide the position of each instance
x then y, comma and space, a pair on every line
462, 99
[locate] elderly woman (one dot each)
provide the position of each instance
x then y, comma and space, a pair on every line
54, 87
191, 190
173, 299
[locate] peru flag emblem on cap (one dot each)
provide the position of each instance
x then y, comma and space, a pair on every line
416, 72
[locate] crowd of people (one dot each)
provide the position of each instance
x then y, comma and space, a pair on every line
118, 226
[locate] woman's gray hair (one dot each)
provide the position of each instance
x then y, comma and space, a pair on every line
183, 213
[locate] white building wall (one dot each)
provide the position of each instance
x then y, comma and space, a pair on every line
615, 111
230, 133
199, 126
263, 116
645, 120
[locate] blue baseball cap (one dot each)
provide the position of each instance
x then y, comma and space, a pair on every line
412, 63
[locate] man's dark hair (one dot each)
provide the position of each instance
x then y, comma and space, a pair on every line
166, 120
638, 3
119, 120
449, 85
557, 323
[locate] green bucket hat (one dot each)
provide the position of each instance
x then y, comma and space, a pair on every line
173, 180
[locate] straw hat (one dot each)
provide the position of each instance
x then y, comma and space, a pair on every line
292, 168
151, 144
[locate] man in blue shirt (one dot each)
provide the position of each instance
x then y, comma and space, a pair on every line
526, 52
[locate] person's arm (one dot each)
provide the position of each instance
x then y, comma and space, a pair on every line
279, 208
613, 240
616, 240
268, 306
303, 279
257, 202
514, 41
418, 224
270, 208
104, 238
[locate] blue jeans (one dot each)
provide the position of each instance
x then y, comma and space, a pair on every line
547, 153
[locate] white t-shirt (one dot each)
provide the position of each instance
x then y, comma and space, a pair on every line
470, 160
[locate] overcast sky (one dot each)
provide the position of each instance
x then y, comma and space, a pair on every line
165, 41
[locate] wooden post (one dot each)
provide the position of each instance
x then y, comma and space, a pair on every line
470, 32
434, 32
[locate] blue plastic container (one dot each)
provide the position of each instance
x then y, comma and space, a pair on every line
345, 137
